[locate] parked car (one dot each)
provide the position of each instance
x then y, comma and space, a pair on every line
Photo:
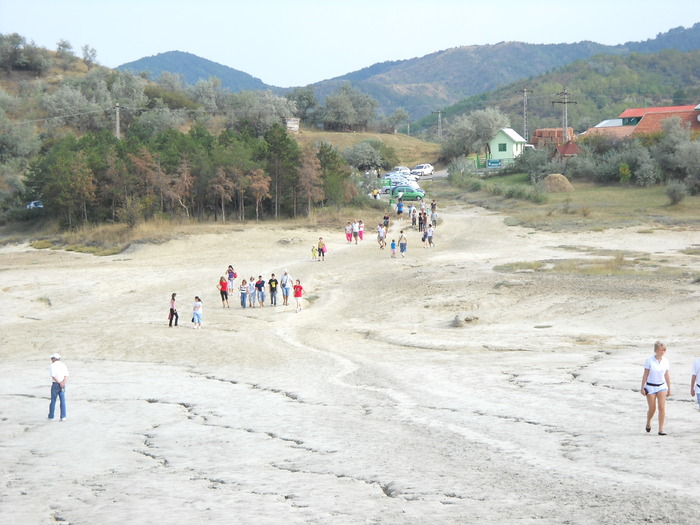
408, 193
35, 205
422, 170
402, 181
401, 169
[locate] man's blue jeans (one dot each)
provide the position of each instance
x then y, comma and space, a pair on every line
57, 391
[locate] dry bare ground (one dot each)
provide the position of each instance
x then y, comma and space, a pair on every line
430, 389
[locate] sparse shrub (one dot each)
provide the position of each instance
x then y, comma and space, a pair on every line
675, 191
130, 212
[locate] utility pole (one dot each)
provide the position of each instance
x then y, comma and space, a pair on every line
565, 102
525, 91
116, 122
408, 127
439, 114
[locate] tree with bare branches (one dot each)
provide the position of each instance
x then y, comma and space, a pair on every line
260, 187
310, 183
222, 187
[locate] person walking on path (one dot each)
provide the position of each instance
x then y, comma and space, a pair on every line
223, 290
260, 289
173, 311
431, 233
381, 236
361, 231
403, 243
59, 378
273, 284
393, 248
695, 381
286, 282
322, 249
251, 292
197, 313
348, 232
231, 274
243, 291
399, 210
355, 230
298, 292
656, 385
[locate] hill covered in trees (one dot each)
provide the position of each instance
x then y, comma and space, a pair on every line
425, 84
192, 69
599, 88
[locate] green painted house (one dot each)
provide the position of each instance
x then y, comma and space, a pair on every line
506, 145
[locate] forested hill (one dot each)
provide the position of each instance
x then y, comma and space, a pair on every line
192, 68
599, 88
426, 84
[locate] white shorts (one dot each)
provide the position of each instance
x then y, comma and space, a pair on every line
655, 389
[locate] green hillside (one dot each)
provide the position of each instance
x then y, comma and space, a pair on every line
425, 84
192, 68
601, 87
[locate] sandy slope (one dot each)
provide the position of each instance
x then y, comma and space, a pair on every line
369, 406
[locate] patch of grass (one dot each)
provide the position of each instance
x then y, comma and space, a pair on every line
691, 251
614, 206
520, 266
618, 264
42, 244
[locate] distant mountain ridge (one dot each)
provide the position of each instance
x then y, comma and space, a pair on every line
193, 68
437, 80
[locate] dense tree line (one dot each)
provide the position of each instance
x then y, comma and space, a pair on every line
194, 150
197, 174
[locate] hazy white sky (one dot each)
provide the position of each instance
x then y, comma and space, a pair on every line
291, 43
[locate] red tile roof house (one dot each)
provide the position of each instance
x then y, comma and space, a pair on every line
652, 122
643, 121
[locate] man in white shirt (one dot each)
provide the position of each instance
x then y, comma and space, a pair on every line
59, 377
695, 381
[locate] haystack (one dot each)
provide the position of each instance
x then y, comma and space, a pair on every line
557, 183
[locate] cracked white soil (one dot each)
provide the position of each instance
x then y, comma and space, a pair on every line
371, 405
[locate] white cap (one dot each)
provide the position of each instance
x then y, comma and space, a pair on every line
56, 356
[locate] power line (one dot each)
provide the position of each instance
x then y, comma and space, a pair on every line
524, 91
565, 102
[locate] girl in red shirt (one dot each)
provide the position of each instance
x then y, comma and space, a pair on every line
298, 292
223, 289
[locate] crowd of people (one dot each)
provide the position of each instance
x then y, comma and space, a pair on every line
251, 292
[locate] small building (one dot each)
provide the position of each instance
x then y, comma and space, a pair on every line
653, 122
506, 146
613, 129
564, 152
633, 116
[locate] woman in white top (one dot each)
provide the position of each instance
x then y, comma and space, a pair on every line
656, 385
